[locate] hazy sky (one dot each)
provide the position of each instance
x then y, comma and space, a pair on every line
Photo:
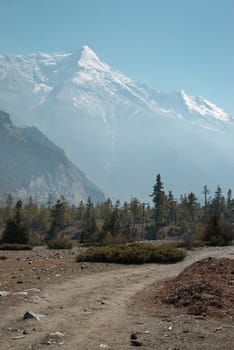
166, 44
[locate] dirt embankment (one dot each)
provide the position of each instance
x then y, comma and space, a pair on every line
204, 288
99, 306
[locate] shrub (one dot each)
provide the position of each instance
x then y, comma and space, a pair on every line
186, 245
218, 232
15, 246
133, 254
59, 243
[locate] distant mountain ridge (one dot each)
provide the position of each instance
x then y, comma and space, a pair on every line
31, 165
120, 132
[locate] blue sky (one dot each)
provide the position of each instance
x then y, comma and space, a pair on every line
166, 44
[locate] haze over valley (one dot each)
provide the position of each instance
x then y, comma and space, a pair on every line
119, 132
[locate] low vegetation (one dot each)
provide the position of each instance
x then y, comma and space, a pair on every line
59, 243
190, 245
137, 253
15, 246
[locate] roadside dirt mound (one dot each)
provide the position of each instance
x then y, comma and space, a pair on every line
204, 288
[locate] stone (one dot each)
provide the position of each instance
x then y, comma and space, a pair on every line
18, 337
21, 293
136, 343
32, 315
133, 336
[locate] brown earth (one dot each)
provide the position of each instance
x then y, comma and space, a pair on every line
204, 288
99, 306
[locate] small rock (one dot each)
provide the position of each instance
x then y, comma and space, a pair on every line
57, 334
3, 257
104, 346
133, 336
218, 329
136, 343
18, 337
201, 336
30, 314
36, 290
21, 293
3, 293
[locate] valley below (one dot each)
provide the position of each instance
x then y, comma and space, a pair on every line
99, 306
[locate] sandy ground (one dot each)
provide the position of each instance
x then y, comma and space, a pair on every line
98, 306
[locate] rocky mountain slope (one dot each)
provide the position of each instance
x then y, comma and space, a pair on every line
120, 132
31, 165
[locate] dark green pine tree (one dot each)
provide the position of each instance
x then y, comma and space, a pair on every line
171, 203
192, 206
218, 202
58, 218
135, 208
158, 198
16, 230
112, 223
89, 225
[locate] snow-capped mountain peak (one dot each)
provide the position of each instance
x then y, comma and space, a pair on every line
89, 59
93, 66
199, 105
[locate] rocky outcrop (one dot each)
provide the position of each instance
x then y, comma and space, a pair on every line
31, 165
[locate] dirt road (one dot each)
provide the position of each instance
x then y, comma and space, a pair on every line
100, 311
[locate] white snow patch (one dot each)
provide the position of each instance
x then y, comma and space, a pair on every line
42, 88
204, 107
